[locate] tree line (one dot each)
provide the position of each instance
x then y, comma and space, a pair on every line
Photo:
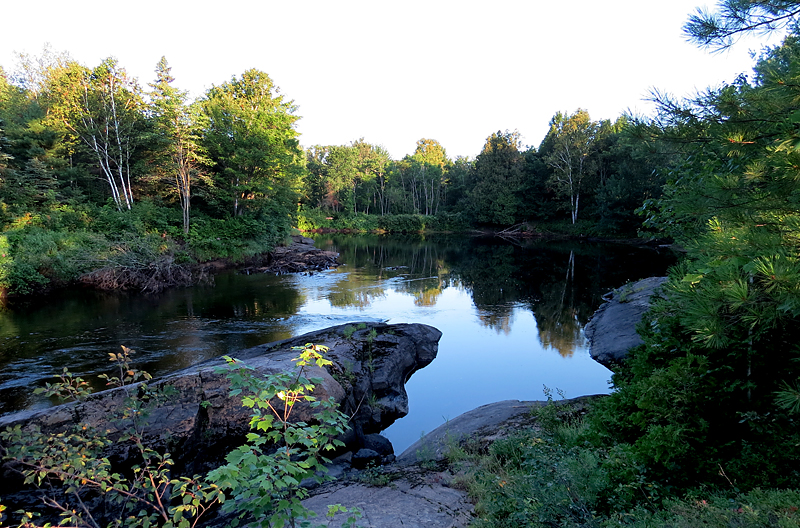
583, 170
72, 133
99, 174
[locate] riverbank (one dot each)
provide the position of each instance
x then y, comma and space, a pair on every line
527, 231
156, 273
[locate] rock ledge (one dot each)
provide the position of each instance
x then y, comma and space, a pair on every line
612, 329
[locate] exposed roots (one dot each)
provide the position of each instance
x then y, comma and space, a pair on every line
153, 278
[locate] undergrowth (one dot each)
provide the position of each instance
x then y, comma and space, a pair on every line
262, 483
552, 476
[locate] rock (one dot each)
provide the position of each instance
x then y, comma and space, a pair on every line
484, 424
418, 499
365, 457
199, 422
379, 443
300, 239
612, 329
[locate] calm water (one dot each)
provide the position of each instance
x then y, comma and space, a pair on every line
511, 314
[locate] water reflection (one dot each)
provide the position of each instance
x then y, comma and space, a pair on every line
512, 317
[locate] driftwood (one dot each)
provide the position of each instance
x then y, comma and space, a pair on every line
296, 258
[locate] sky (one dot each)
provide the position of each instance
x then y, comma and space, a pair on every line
394, 72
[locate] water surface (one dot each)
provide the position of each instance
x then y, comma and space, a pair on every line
511, 314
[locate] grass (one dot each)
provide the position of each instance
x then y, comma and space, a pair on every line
550, 476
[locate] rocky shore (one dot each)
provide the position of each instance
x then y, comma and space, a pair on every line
199, 422
371, 363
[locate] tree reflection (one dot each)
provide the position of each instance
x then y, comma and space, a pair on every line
557, 320
415, 260
561, 283
355, 292
497, 321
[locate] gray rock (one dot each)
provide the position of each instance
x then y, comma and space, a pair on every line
484, 424
418, 499
199, 422
612, 329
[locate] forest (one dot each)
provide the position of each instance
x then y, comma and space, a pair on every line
103, 181
119, 186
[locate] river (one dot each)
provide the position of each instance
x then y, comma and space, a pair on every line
511, 313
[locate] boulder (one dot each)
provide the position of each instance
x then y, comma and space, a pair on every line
198, 422
612, 329
484, 425
364, 458
379, 443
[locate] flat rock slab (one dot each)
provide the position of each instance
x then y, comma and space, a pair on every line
414, 501
484, 424
612, 329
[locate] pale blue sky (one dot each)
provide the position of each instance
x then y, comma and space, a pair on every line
395, 72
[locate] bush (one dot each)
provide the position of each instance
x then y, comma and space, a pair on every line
311, 218
35, 257
265, 482
689, 411
756, 509
263, 476
234, 238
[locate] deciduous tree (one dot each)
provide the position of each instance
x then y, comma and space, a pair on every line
250, 136
570, 155
179, 155
103, 109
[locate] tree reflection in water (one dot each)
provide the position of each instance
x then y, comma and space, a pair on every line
561, 283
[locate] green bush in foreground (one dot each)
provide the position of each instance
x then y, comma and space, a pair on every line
84, 490
264, 483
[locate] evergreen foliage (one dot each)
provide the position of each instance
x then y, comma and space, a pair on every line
697, 401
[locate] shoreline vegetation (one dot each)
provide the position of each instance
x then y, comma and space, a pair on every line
702, 424
135, 257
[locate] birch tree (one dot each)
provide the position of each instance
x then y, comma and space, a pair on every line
103, 109
571, 143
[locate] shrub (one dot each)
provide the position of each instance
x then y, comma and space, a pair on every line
310, 219
234, 238
264, 476
403, 223
265, 481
